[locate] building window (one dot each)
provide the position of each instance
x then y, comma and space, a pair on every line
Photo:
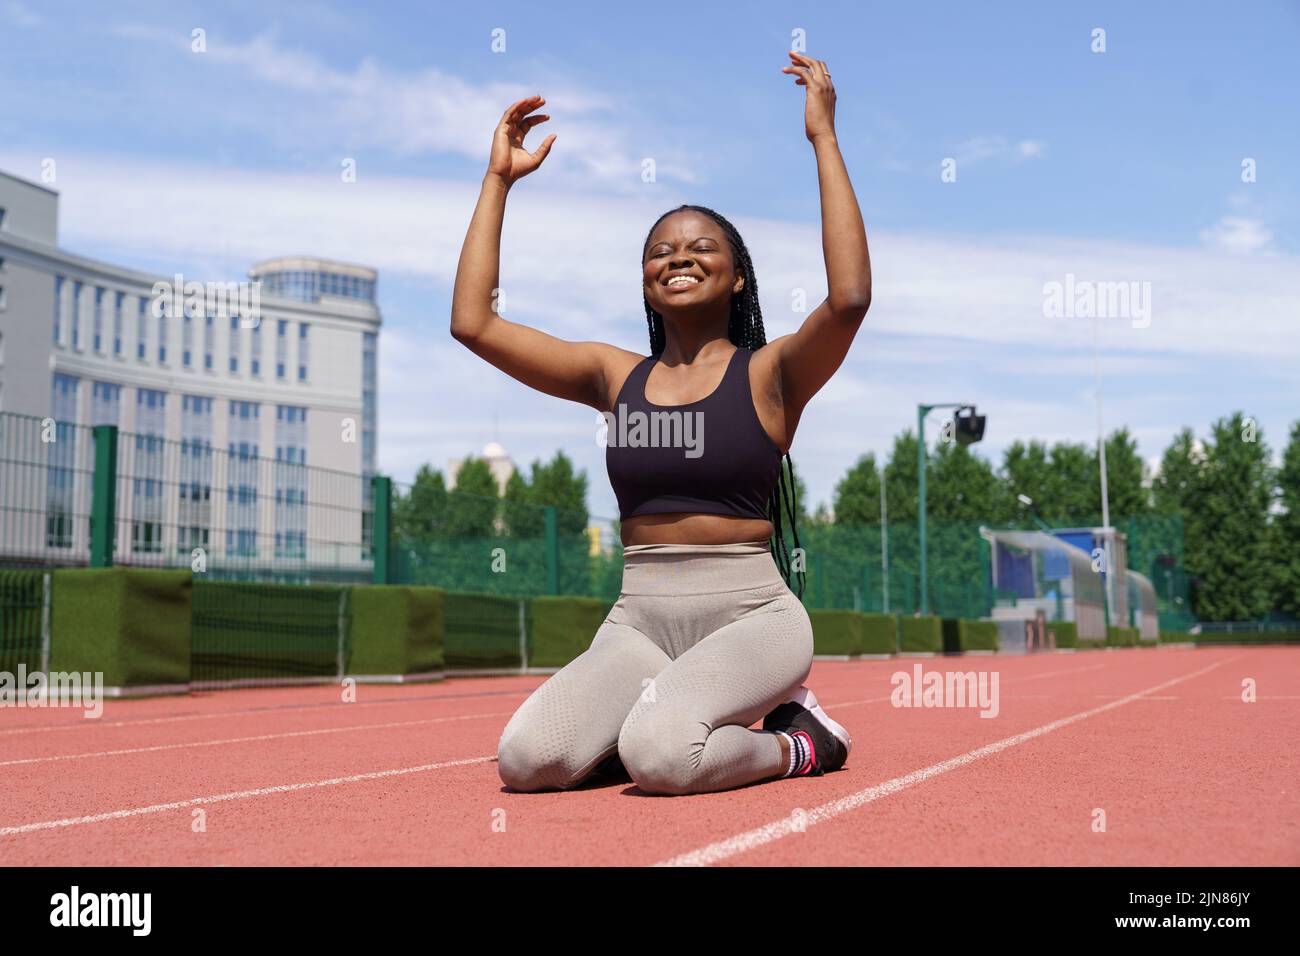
76, 314
117, 323
255, 358
369, 393
281, 347
61, 475
105, 403
187, 339
58, 310
141, 332
234, 344
97, 321
194, 508
302, 351
290, 481
162, 336
207, 342
147, 507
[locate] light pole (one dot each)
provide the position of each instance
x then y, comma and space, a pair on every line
1108, 534
884, 545
968, 430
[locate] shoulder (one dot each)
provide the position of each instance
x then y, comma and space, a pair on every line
616, 365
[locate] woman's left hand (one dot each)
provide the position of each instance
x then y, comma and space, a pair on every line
819, 104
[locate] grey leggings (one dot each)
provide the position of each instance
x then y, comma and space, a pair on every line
704, 640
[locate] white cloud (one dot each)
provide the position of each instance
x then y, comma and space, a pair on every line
1237, 235
954, 318
424, 112
981, 148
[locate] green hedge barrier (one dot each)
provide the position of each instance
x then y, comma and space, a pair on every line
561, 628
1176, 637
22, 598
133, 624
961, 635
253, 631
481, 631
395, 630
879, 634
1257, 637
1121, 637
1067, 633
918, 634
836, 632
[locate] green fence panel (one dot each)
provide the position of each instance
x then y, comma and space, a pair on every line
1067, 633
267, 632
836, 633
484, 632
879, 634
22, 602
561, 628
1121, 637
395, 631
920, 634
960, 635
131, 624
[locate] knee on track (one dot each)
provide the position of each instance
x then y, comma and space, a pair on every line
656, 750
528, 764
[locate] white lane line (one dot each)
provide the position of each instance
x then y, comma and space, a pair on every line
84, 724
243, 740
751, 839
237, 795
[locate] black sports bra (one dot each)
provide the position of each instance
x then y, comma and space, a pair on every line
711, 456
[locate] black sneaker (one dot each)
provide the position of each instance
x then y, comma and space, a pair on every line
831, 743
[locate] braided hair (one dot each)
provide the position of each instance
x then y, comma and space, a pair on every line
745, 330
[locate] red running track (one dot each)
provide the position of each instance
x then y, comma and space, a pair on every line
1160, 741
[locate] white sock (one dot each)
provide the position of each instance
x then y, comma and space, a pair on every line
798, 753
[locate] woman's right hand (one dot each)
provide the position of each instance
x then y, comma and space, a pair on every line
509, 160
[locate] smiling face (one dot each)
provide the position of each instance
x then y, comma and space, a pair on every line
688, 265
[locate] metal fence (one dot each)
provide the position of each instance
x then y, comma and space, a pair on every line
241, 517
175, 504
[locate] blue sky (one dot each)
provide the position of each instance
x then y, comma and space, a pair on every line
1122, 166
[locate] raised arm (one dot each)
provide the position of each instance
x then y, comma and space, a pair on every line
577, 371
806, 359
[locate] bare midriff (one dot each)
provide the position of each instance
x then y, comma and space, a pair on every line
679, 528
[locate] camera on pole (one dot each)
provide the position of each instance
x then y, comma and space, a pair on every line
968, 427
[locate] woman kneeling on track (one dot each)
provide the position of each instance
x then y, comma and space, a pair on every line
706, 637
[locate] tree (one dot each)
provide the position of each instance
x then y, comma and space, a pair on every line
556, 484
1125, 474
962, 486
857, 495
901, 477
1286, 530
522, 516
1230, 553
420, 515
1177, 487
472, 506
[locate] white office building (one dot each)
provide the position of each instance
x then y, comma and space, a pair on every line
282, 369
